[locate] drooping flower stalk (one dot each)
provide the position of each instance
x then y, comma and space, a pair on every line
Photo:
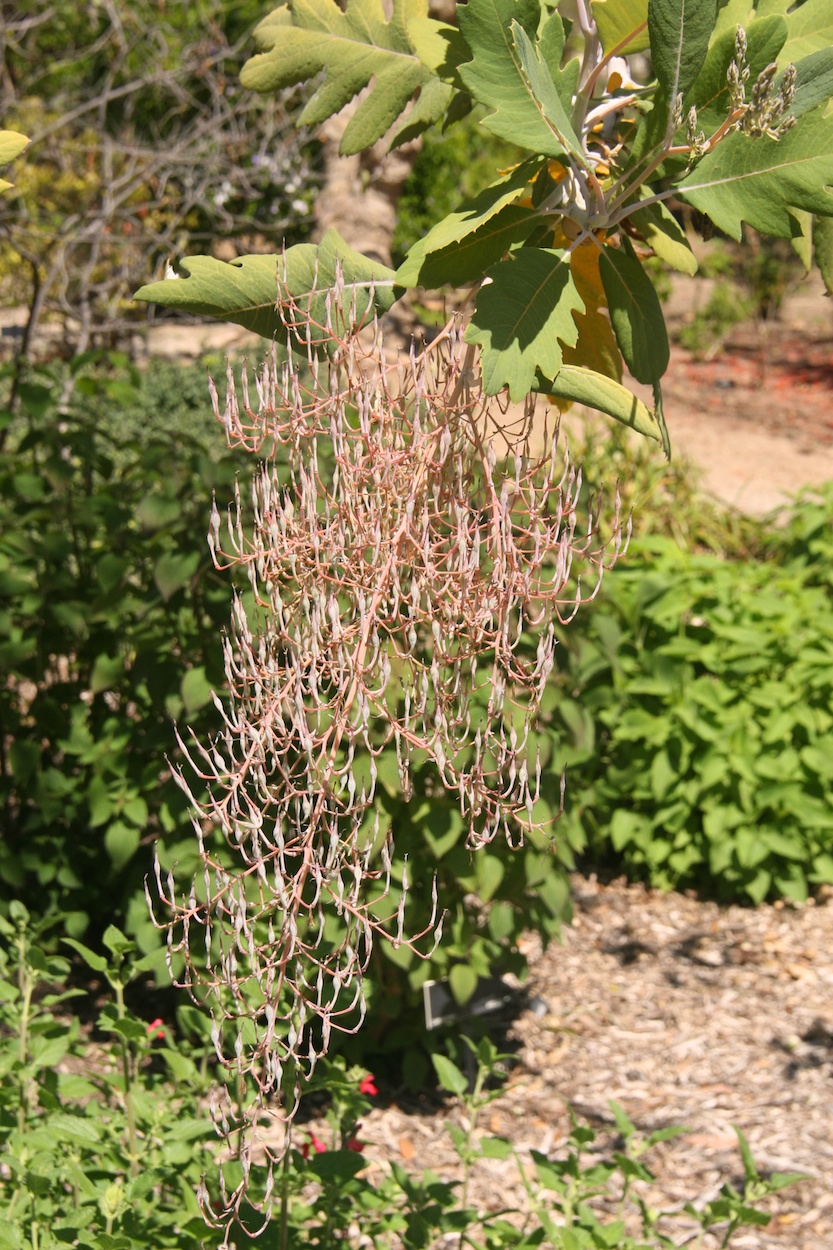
397, 572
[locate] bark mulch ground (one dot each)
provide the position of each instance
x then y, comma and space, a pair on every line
685, 1012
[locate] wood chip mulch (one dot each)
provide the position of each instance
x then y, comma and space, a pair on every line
684, 1012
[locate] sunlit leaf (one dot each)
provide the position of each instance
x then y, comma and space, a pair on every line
522, 317
679, 32
496, 76
354, 48
583, 386
622, 25
245, 291
662, 232
11, 145
759, 180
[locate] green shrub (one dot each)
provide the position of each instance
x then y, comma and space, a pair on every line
105, 1143
700, 713
110, 624
101, 1145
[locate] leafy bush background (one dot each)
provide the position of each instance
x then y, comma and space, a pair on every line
698, 697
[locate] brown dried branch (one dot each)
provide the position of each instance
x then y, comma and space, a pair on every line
397, 573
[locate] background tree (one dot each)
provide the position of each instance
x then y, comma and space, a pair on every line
142, 141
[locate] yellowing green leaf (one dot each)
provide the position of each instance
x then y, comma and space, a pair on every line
596, 348
622, 25
583, 386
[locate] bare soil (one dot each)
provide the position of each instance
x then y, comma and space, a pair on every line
756, 418
686, 1013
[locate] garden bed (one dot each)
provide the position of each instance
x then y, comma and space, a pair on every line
686, 1013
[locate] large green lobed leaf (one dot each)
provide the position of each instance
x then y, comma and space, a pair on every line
353, 48
245, 291
522, 317
497, 78
758, 181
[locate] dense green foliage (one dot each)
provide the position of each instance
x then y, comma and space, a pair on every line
103, 1144
698, 695
110, 620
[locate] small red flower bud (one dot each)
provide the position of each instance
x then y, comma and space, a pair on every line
155, 1029
316, 1143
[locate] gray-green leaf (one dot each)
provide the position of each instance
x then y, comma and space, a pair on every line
636, 315
680, 31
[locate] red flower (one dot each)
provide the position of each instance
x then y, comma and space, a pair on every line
355, 1144
316, 1143
155, 1029
367, 1086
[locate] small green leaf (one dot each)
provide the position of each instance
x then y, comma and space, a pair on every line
195, 689
121, 841
636, 314
173, 571
449, 1075
541, 85
97, 962
463, 982
106, 673
465, 261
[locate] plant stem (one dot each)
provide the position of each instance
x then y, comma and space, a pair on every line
130, 1110
26, 985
